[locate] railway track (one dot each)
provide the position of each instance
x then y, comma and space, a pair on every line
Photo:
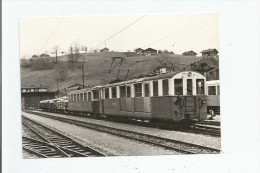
47, 143
179, 146
199, 126
202, 129
213, 123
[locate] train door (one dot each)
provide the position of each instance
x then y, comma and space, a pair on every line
190, 101
95, 102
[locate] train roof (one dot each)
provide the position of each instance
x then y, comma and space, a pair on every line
157, 77
212, 82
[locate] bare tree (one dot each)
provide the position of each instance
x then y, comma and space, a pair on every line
73, 55
25, 63
44, 62
165, 61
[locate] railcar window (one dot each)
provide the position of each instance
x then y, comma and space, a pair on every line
114, 92
78, 97
200, 86
165, 86
89, 96
128, 91
211, 90
95, 94
146, 90
189, 86
85, 96
138, 90
218, 90
122, 91
178, 86
107, 93
155, 88
75, 97
81, 97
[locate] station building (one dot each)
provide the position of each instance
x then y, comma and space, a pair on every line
31, 97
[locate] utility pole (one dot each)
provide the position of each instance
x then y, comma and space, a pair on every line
57, 83
83, 75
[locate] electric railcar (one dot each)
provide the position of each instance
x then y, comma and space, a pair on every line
171, 97
213, 95
55, 105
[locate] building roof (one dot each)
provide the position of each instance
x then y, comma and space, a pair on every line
138, 49
209, 50
35, 56
75, 85
191, 51
34, 87
44, 55
104, 49
150, 49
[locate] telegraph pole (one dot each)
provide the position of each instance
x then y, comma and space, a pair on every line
83, 75
57, 83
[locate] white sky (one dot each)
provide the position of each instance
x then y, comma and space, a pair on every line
185, 31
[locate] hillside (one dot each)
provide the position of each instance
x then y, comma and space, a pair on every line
96, 67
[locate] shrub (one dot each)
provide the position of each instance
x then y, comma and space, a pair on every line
42, 63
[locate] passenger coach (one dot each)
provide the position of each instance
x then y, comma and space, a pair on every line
170, 97
213, 98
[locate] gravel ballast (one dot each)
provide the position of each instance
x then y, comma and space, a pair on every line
209, 141
108, 144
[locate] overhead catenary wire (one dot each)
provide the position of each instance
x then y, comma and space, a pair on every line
198, 29
51, 35
178, 32
118, 32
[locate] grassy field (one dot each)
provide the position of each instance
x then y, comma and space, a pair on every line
96, 67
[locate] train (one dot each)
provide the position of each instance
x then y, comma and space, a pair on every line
55, 105
213, 96
167, 98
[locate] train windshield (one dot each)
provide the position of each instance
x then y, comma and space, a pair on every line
189, 86
200, 86
178, 87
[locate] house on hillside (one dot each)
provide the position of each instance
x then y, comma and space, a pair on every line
82, 51
163, 52
189, 53
53, 55
149, 52
209, 53
209, 67
139, 51
75, 87
104, 50
213, 74
44, 56
35, 57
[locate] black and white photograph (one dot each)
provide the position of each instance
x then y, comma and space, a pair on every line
130, 86
120, 86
